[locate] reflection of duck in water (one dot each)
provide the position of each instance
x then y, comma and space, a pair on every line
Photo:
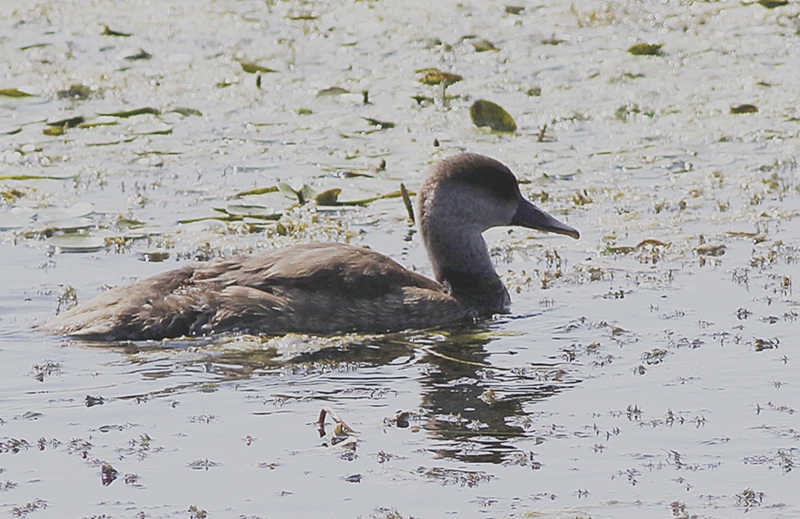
330, 287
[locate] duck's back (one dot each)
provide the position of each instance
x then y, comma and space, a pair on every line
317, 288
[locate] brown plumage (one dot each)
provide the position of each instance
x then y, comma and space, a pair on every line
329, 287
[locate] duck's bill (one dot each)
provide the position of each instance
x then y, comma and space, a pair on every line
530, 216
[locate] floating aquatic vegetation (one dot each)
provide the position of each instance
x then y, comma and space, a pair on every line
772, 4
76, 92
108, 474
132, 113
434, 76
514, 9
484, 46
744, 109
24, 510
468, 478
711, 249
332, 91
99, 121
69, 122
380, 124
110, 32
487, 113
307, 15
656, 356
92, 401
45, 369
252, 68
749, 499
552, 40
646, 49
77, 243
140, 55
153, 256
624, 112
385, 513
67, 299
14, 92
302, 195
182, 110
256, 191
250, 211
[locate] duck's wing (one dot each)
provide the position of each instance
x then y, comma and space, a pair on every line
320, 288
333, 267
326, 288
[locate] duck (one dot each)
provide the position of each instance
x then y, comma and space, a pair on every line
331, 288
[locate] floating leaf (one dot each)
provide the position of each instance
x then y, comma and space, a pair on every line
109, 32
484, 46
380, 124
16, 218
434, 76
422, 99
76, 91
70, 122
487, 113
74, 242
224, 218
54, 131
35, 46
13, 92
142, 54
332, 91
32, 177
552, 40
256, 191
131, 113
329, 197
157, 128
744, 109
646, 49
182, 110
772, 4
251, 211
304, 16
303, 195
252, 68
153, 256
225, 83
99, 121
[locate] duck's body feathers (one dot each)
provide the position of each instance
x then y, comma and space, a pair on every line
316, 288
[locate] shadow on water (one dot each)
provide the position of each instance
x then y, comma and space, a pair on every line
471, 407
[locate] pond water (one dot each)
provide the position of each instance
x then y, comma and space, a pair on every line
647, 369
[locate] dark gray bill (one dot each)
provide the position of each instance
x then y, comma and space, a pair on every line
530, 216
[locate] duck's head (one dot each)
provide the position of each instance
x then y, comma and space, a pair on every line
462, 196
477, 191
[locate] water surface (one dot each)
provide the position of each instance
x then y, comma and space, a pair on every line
647, 369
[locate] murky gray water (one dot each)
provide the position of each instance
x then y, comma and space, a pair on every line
649, 369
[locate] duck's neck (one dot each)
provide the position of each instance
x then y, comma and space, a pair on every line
461, 261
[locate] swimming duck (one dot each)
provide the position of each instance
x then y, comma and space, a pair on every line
325, 288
